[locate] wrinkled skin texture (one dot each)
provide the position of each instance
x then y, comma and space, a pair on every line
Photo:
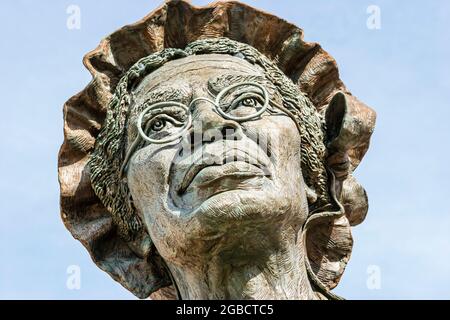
232, 230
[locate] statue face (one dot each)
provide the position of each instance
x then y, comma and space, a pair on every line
223, 182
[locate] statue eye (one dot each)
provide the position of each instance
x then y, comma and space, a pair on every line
161, 121
158, 125
249, 102
163, 124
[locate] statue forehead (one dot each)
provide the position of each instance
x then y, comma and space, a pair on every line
197, 69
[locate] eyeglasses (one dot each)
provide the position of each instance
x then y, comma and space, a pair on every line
167, 121
239, 102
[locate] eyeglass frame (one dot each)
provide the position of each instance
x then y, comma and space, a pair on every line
187, 109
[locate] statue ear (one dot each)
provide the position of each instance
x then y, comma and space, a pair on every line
345, 134
334, 117
338, 161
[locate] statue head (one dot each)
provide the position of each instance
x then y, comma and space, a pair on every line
211, 159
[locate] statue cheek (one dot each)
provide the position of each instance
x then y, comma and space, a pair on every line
148, 177
284, 142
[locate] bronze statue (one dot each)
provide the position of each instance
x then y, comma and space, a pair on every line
211, 157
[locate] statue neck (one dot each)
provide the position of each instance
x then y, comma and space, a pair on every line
277, 272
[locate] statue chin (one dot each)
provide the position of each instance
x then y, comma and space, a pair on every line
255, 204
241, 210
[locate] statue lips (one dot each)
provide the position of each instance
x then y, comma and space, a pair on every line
239, 170
234, 164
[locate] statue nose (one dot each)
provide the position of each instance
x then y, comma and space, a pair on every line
208, 123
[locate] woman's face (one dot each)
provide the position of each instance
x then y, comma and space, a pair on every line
223, 183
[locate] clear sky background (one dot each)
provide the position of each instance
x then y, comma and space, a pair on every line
401, 70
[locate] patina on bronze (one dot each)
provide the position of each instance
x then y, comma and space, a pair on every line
261, 205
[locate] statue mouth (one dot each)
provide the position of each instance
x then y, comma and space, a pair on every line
233, 165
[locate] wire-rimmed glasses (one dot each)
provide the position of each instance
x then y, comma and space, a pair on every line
167, 121
242, 101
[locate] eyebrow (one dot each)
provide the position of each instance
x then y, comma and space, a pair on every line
165, 93
217, 83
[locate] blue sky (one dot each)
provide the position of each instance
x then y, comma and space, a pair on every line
401, 70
